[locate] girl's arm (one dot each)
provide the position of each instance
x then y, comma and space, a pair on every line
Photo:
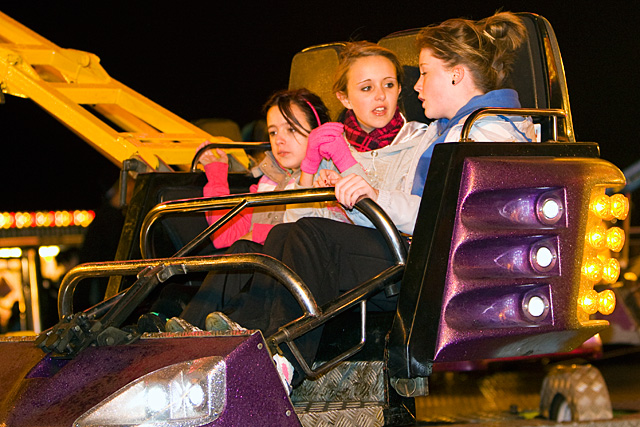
401, 207
216, 186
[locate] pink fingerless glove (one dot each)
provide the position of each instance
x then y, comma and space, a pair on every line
327, 141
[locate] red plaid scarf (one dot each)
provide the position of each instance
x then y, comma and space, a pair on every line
377, 138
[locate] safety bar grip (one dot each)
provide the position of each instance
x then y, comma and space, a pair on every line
540, 112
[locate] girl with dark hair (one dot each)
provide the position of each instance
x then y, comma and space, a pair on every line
291, 116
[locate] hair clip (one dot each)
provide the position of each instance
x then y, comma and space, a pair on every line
489, 36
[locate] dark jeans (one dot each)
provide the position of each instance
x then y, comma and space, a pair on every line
219, 287
330, 257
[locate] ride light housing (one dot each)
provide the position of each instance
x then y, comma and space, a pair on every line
598, 264
187, 394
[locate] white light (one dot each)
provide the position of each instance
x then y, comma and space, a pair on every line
48, 251
10, 252
536, 306
550, 209
544, 257
187, 394
196, 395
156, 398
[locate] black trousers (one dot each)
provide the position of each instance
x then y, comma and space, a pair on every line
219, 287
330, 257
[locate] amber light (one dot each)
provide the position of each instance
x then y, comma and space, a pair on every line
596, 236
7, 220
606, 301
592, 269
601, 207
611, 270
46, 219
589, 302
615, 239
619, 206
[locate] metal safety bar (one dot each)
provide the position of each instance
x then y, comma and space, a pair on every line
259, 262
240, 201
226, 145
302, 325
226, 202
554, 113
387, 280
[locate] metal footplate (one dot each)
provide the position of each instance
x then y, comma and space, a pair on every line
352, 394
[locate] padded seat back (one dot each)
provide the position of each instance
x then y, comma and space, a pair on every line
314, 68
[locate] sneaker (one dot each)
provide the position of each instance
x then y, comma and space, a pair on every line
219, 322
151, 322
176, 324
285, 369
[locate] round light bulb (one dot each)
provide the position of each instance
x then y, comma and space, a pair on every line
611, 270
619, 206
196, 395
536, 306
550, 209
596, 236
592, 269
601, 207
615, 239
606, 301
544, 257
589, 301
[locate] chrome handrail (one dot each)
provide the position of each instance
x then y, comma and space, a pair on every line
555, 113
240, 201
230, 144
259, 262
227, 202
358, 295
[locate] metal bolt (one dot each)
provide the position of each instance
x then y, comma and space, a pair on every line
260, 346
288, 413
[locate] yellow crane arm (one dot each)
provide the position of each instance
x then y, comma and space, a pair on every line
73, 87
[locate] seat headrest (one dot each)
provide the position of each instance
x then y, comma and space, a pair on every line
314, 69
538, 75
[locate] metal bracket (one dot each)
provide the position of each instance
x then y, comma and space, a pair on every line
411, 387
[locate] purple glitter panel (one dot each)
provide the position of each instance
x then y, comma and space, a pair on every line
492, 268
38, 391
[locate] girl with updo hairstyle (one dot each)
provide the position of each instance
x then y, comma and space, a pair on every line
487, 47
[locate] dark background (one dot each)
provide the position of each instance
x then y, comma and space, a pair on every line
223, 59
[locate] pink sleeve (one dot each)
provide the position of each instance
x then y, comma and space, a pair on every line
260, 232
217, 185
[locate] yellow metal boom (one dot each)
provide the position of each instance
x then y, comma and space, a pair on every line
73, 87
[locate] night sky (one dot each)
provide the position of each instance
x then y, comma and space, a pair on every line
199, 59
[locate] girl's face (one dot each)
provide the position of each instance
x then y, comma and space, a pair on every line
372, 91
434, 87
289, 146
